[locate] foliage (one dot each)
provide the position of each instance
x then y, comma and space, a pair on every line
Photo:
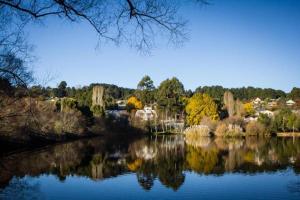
215, 92
146, 84
145, 90
244, 93
239, 108
229, 130
111, 94
249, 109
266, 121
68, 103
98, 110
295, 93
207, 121
221, 129
200, 105
286, 120
255, 129
229, 103
48, 120
196, 131
134, 103
169, 95
234, 107
61, 91
83, 96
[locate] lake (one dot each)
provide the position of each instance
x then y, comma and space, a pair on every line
155, 168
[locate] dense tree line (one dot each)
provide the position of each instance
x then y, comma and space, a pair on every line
244, 93
169, 95
82, 94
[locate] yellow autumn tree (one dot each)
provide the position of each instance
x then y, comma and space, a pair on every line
134, 103
249, 109
200, 105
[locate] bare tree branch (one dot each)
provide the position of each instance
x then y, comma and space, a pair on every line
135, 22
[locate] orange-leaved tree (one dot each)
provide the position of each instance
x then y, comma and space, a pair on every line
134, 103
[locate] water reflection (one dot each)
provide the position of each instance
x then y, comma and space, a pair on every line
166, 159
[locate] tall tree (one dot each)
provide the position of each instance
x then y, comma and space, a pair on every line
61, 89
239, 108
229, 103
146, 84
169, 95
295, 93
145, 90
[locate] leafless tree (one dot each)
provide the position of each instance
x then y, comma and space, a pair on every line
136, 22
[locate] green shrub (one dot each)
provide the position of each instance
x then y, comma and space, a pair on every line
255, 129
68, 103
98, 111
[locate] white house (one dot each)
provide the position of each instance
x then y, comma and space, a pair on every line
257, 101
267, 112
290, 102
250, 119
121, 104
146, 114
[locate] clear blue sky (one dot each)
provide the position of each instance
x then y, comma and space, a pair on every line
232, 43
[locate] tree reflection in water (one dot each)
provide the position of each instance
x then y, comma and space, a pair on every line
164, 158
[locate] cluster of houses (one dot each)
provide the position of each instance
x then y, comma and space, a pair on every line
268, 107
148, 113
145, 114
272, 103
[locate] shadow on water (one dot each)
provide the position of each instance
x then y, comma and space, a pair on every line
166, 159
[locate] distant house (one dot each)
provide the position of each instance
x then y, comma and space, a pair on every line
290, 102
257, 101
121, 104
267, 112
250, 119
146, 114
53, 99
117, 114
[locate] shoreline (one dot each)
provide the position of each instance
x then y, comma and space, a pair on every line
288, 134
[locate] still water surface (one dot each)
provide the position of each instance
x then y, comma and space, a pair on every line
155, 168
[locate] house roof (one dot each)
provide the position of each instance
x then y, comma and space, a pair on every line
290, 102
